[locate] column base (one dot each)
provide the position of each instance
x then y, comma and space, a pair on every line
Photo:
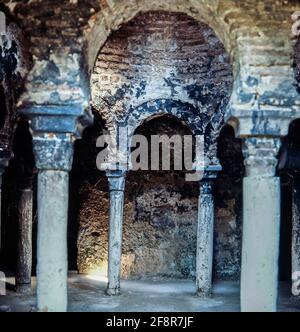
113, 291
204, 293
23, 288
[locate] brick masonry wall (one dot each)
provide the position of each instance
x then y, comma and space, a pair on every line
163, 56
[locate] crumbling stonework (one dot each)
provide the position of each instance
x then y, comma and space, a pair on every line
256, 34
14, 66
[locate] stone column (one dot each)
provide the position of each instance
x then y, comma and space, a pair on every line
24, 266
116, 180
296, 231
54, 161
205, 235
54, 128
261, 226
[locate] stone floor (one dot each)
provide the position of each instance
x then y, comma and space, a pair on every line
87, 293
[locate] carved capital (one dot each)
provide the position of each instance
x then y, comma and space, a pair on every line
116, 180
206, 187
53, 151
261, 156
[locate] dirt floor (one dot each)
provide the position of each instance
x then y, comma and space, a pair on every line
87, 293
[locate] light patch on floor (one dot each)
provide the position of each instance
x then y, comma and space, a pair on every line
87, 293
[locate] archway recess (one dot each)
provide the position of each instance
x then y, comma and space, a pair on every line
163, 63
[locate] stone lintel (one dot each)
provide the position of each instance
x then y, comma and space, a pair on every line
274, 123
58, 118
54, 130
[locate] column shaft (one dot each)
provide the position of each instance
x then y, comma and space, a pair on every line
261, 227
296, 230
205, 231
53, 188
116, 206
23, 275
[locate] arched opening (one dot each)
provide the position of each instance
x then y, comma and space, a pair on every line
229, 207
161, 239
149, 68
156, 203
20, 174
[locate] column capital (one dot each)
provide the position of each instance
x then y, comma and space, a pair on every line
58, 119
116, 180
210, 174
261, 156
54, 129
206, 187
53, 151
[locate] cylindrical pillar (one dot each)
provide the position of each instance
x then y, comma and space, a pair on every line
205, 232
296, 235
23, 275
116, 181
261, 226
54, 127
52, 266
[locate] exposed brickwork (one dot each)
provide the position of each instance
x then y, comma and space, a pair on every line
297, 63
161, 55
55, 30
